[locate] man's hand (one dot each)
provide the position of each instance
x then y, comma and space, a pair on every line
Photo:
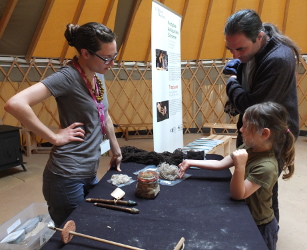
231, 67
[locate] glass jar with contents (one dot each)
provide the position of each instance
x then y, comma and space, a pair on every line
148, 184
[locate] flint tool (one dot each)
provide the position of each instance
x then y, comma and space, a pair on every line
115, 202
68, 232
114, 207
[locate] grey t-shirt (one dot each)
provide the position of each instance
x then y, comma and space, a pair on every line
247, 74
75, 160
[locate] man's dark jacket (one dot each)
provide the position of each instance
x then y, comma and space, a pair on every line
274, 79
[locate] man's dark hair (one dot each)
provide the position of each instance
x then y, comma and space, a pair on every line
249, 23
244, 21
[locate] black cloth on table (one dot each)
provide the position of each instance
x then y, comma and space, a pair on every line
199, 209
134, 154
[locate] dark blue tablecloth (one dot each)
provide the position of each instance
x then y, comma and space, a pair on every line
199, 209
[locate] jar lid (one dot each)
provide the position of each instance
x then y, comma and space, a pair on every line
148, 176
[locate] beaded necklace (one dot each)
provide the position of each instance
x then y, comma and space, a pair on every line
93, 92
98, 90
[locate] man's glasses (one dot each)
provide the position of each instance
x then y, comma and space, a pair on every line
106, 60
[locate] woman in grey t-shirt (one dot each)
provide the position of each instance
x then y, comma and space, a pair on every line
80, 93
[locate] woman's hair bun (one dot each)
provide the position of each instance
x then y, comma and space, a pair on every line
70, 33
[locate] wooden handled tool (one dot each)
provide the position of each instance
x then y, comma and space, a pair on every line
180, 244
114, 207
68, 233
115, 202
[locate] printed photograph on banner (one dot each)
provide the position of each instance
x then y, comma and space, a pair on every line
162, 111
161, 60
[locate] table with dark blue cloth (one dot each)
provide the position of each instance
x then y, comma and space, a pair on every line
199, 209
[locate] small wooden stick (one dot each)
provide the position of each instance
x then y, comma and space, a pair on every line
119, 208
115, 202
70, 225
179, 244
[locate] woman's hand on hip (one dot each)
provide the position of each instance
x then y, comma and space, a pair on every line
69, 134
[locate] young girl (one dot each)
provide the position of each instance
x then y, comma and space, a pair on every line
268, 144
79, 90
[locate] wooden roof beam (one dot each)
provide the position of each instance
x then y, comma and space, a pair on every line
184, 11
260, 7
233, 8
204, 31
284, 25
74, 21
7, 13
108, 12
39, 29
136, 5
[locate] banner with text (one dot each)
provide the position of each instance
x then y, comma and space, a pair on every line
166, 78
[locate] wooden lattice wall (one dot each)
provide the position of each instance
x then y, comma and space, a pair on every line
129, 91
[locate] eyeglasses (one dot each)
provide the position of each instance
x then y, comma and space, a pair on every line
106, 60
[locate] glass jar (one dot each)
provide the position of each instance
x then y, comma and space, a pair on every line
148, 184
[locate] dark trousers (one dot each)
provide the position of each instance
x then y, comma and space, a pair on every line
275, 201
269, 233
